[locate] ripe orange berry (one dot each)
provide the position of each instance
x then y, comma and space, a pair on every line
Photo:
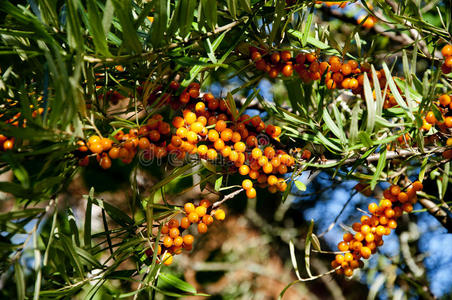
251, 193
220, 214
212, 154
342, 246
373, 207
244, 170
430, 118
287, 70
105, 162
201, 210
247, 184
184, 223
239, 147
213, 135
444, 100
447, 51
365, 252
174, 232
178, 241
173, 223
348, 237
448, 62
207, 219
286, 55
167, 241
193, 217
417, 186
188, 239
167, 258
202, 228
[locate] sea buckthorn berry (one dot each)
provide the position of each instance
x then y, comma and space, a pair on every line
174, 232
395, 190
256, 153
430, 118
342, 246
94, 139
105, 162
193, 217
207, 219
206, 203
167, 241
247, 184
348, 257
275, 57
385, 203
287, 70
369, 237
348, 237
359, 236
339, 259
178, 241
244, 170
402, 197
188, 239
202, 228
365, 252
365, 229
348, 272
448, 62
417, 186
251, 193
446, 51
167, 258
392, 224
286, 55
372, 207
173, 223
444, 100
212, 154
220, 214
239, 147
201, 210
356, 226
184, 223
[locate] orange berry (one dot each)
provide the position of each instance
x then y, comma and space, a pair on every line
365, 252
240, 147
244, 170
174, 232
417, 186
212, 154
444, 100
342, 246
207, 219
247, 184
220, 215
167, 241
193, 217
206, 203
188, 239
447, 51
202, 228
167, 258
178, 241
251, 193
348, 237
173, 223
185, 223
373, 207
201, 210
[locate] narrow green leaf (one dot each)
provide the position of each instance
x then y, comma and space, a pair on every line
338, 132
307, 28
354, 122
20, 280
300, 185
115, 213
177, 283
370, 104
107, 16
129, 34
96, 29
21, 214
380, 166
218, 183
395, 92
159, 26
87, 228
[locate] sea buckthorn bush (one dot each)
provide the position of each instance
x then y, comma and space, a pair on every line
198, 148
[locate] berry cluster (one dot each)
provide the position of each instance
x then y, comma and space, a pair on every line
238, 142
444, 105
150, 137
370, 230
334, 73
207, 128
173, 241
7, 143
446, 67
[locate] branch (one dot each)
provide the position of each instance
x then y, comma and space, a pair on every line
403, 153
441, 215
147, 55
